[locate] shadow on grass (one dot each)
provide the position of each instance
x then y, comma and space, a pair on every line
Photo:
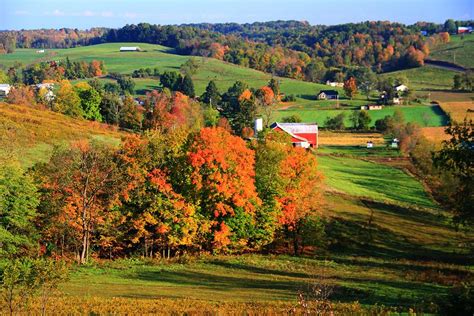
358, 238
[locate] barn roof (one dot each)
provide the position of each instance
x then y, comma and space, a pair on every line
330, 92
297, 128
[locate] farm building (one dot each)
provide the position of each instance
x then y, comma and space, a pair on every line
335, 84
302, 134
5, 89
130, 49
40, 51
464, 29
401, 88
371, 107
328, 95
394, 143
370, 144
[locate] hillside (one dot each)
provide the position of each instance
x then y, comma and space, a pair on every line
460, 51
163, 58
30, 134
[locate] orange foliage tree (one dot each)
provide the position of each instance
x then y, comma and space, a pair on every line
81, 185
301, 196
350, 87
222, 182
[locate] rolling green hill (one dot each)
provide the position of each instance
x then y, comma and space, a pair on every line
460, 51
224, 74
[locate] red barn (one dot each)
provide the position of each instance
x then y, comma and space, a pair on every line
302, 134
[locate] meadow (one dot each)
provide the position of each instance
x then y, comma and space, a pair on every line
391, 245
424, 115
425, 78
460, 50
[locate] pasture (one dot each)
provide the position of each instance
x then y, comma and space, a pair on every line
425, 78
163, 58
460, 50
424, 115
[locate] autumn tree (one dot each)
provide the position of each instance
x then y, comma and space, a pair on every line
302, 194
222, 184
129, 115
350, 87
265, 99
81, 184
67, 101
22, 95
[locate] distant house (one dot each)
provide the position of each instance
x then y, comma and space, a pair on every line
40, 51
371, 107
464, 29
130, 49
302, 134
397, 100
394, 143
335, 84
5, 89
370, 144
401, 88
328, 95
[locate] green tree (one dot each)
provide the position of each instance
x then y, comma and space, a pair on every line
336, 122
450, 26
190, 67
18, 202
127, 85
110, 107
211, 96
129, 116
171, 80
90, 102
187, 86
274, 84
457, 157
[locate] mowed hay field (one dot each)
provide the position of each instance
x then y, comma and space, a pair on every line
458, 111
327, 138
30, 134
165, 59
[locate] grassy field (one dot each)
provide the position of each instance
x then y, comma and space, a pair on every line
390, 245
425, 78
422, 114
30, 134
459, 51
164, 59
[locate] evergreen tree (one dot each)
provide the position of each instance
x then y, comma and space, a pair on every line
211, 96
187, 86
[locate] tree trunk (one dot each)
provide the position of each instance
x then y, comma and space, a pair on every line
295, 243
84, 246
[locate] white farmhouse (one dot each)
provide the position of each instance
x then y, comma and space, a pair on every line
401, 88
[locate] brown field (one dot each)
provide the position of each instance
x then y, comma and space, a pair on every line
448, 96
434, 134
327, 138
459, 110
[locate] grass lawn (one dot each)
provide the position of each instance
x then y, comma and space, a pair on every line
424, 115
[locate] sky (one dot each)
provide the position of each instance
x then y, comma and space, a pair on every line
84, 14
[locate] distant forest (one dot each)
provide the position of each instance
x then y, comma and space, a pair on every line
285, 48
